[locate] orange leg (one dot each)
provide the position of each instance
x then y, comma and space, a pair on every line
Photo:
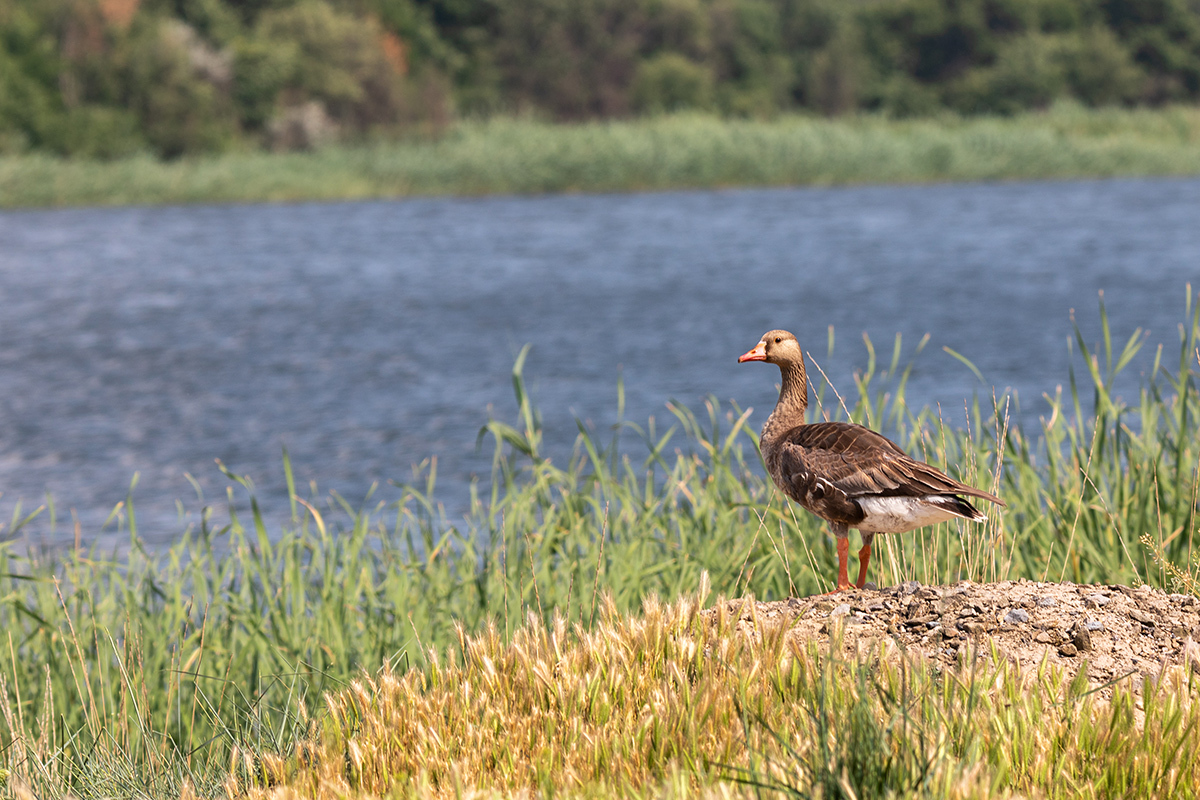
864, 558
843, 551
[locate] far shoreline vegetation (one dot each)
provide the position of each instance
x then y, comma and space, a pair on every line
117, 102
669, 152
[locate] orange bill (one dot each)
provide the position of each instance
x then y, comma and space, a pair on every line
759, 353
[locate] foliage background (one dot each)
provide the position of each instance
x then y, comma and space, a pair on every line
107, 78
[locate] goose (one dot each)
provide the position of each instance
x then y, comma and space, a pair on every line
848, 474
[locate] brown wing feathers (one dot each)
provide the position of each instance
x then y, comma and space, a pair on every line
858, 462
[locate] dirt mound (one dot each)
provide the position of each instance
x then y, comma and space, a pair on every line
1113, 631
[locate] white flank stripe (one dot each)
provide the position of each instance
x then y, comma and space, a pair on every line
899, 514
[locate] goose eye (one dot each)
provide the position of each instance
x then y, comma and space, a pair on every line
778, 339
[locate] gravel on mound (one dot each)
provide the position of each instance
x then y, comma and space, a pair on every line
1112, 631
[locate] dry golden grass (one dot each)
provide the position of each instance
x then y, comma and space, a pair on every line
664, 704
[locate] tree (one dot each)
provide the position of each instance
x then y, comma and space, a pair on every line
178, 86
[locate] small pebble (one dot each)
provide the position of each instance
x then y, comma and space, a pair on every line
1094, 625
1141, 616
1014, 616
1081, 638
909, 587
1098, 600
840, 611
1067, 650
1046, 602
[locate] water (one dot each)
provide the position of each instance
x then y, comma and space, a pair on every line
366, 337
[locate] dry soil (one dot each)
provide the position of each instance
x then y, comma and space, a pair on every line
1113, 632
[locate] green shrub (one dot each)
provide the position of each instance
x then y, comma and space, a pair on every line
1027, 73
1164, 37
100, 132
1099, 70
1032, 70
756, 77
679, 26
571, 59
178, 87
262, 68
671, 82
836, 73
30, 105
902, 96
339, 63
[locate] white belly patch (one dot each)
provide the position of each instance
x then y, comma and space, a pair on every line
899, 514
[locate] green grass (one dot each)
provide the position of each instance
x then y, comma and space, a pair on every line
151, 674
675, 152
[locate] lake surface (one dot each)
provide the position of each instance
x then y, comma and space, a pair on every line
366, 337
